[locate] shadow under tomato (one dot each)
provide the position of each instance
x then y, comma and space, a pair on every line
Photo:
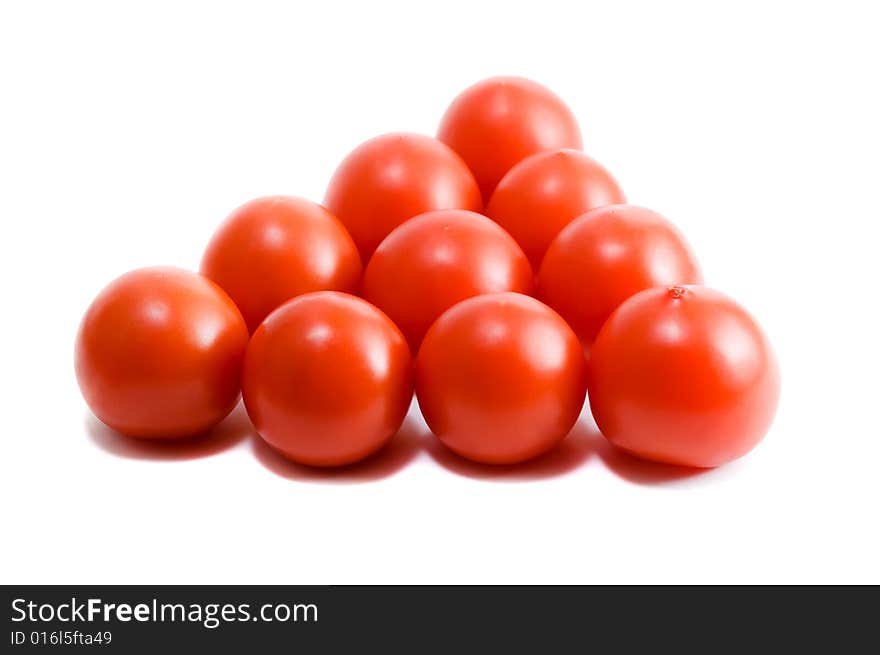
228, 433
400, 451
572, 452
642, 471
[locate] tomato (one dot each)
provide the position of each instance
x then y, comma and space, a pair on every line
683, 375
393, 177
159, 354
544, 193
437, 259
498, 122
273, 249
500, 378
602, 258
327, 379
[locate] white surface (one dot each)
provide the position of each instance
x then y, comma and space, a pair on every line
128, 132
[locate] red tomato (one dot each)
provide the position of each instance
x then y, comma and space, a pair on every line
498, 122
437, 259
273, 249
602, 258
544, 193
159, 354
327, 379
500, 378
393, 177
683, 375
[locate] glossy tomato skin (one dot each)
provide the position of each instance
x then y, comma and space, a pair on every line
438, 259
327, 379
275, 248
545, 192
392, 178
159, 354
498, 122
683, 375
500, 378
605, 256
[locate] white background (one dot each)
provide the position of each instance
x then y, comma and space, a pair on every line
129, 130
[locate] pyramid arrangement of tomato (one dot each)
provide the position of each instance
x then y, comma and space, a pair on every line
495, 271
